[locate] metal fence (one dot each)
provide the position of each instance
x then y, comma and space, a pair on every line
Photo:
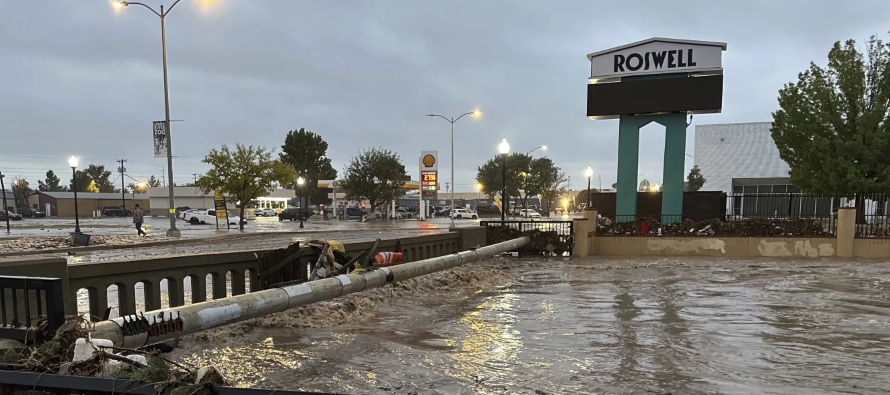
547, 236
745, 212
63, 384
26, 300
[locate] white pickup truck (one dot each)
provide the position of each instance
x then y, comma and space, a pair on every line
209, 217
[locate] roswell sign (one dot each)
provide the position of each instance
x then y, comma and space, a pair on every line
657, 56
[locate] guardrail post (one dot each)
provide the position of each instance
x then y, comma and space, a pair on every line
846, 231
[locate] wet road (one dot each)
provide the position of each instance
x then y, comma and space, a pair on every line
596, 326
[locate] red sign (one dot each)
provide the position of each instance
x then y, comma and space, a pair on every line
428, 183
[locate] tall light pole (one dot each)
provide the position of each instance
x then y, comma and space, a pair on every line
300, 182
172, 232
528, 170
504, 149
589, 174
474, 113
5, 208
72, 161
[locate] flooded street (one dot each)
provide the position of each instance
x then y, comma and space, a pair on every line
585, 326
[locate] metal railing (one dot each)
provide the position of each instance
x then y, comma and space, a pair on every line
550, 237
25, 301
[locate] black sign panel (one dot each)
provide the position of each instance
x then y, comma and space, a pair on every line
652, 95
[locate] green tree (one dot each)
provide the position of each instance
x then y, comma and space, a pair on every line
21, 189
101, 178
695, 180
376, 175
306, 152
491, 175
243, 174
83, 181
51, 183
833, 124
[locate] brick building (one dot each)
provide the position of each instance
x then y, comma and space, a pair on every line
61, 204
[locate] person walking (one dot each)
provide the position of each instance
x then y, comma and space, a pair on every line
138, 217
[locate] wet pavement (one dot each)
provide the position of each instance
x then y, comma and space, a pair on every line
582, 326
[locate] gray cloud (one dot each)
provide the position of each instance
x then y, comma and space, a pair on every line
80, 78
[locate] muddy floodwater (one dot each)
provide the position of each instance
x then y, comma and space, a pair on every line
592, 326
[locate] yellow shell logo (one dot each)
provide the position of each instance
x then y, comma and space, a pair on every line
429, 160
334, 184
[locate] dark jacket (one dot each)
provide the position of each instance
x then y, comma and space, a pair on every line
138, 216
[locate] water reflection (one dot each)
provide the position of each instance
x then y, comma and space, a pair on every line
488, 349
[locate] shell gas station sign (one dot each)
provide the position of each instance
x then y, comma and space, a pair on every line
429, 174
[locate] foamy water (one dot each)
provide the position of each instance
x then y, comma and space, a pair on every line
594, 326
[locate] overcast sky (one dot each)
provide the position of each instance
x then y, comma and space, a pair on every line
81, 78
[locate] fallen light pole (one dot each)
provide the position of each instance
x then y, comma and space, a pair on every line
158, 326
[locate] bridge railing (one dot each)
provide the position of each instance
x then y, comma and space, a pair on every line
26, 300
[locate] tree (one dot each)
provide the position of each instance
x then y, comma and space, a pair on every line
833, 124
491, 175
21, 189
306, 152
554, 190
376, 175
695, 180
142, 187
51, 183
83, 181
243, 174
101, 178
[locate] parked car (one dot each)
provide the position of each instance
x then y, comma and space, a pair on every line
354, 212
461, 213
196, 217
402, 213
264, 212
116, 211
30, 212
293, 214
11, 216
529, 213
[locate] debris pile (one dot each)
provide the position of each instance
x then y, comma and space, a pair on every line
72, 352
53, 242
755, 227
543, 242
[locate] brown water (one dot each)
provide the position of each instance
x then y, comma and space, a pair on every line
597, 326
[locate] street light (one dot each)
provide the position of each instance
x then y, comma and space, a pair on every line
474, 113
3, 188
525, 201
172, 232
504, 149
300, 182
72, 161
589, 174
479, 190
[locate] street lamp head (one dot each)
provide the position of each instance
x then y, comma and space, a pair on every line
544, 147
504, 146
119, 4
300, 181
476, 113
72, 161
589, 172
478, 186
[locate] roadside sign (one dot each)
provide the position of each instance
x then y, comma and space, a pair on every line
219, 205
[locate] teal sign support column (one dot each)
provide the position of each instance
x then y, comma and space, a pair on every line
674, 163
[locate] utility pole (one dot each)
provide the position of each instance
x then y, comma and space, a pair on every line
163, 177
123, 190
196, 178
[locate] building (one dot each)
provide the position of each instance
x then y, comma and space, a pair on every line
61, 204
10, 200
741, 158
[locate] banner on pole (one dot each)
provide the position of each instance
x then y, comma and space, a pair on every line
160, 138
